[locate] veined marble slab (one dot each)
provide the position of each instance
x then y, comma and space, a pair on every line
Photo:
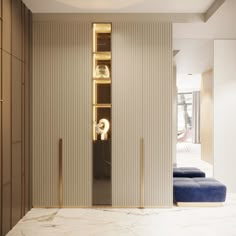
208, 221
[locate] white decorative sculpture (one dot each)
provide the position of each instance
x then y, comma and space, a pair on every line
102, 128
102, 71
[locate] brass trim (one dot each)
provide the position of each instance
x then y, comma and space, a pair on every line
141, 173
102, 105
1, 125
11, 59
104, 206
60, 173
102, 80
200, 204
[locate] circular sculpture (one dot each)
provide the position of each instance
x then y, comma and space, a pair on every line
102, 128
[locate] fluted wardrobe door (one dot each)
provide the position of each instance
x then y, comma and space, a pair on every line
76, 114
62, 110
126, 113
157, 114
142, 104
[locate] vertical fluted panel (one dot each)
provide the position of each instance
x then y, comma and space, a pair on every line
62, 109
75, 118
142, 105
126, 113
157, 113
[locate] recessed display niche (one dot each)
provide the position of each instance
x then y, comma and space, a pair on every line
102, 105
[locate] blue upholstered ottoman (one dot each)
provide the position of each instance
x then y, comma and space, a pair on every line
188, 172
198, 190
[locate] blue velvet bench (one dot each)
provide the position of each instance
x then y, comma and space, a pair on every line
188, 172
198, 192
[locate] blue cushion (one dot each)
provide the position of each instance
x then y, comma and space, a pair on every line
198, 190
188, 172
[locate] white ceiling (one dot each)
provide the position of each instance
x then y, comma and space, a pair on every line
195, 55
196, 40
118, 6
220, 26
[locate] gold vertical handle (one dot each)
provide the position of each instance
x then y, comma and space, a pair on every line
60, 172
141, 173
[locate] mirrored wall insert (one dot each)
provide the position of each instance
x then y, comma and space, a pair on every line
102, 105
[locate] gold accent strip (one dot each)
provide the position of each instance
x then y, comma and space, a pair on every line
60, 173
141, 173
102, 105
102, 81
103, 206
199, 204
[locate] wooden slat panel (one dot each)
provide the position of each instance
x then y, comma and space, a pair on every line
17, 29
6, 25
16, 100
1, 141
26, 112
142, 106
46, 114
62, 109
6, 143
157, 113
75, 116
16, 183
126, 113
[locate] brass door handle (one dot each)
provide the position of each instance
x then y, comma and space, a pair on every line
141, 173
60, 173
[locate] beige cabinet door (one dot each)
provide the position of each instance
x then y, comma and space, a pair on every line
157, 114
127, 82
62, 88
142, 114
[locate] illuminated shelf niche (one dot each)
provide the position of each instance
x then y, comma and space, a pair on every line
102, 72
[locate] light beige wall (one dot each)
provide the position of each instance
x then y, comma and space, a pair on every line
142, 113
207, 117
62, 85
175, 118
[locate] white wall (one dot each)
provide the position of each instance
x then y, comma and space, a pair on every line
225, 113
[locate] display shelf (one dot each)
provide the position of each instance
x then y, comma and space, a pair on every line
102, 80
102, 105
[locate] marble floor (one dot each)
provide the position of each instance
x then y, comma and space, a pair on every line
178, 221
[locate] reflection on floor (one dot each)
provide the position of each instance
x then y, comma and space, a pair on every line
189, 155
216, 221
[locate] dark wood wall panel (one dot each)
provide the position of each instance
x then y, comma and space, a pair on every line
16, 183
17, 28
6, 144
0, 114
26, 96
15, 188
0, 31
6, 25
0, 136
16, 100
0, 8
